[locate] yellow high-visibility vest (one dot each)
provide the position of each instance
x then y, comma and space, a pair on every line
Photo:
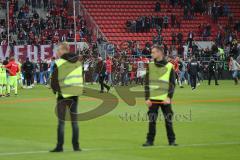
159, 81
3, 71
70, 78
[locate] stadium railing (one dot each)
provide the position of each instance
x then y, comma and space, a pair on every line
91, 24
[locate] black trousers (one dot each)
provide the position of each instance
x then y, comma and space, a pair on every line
153, 116
28, 77
193, 81
210, 75
103, 85
63, 105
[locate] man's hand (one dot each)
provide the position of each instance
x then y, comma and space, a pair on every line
148, 103
167, 101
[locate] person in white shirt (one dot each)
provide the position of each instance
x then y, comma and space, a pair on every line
141, 70
234, 67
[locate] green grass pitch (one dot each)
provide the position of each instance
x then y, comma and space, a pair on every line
28, 128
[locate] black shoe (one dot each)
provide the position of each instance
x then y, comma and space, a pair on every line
77, 149
147, 144
173, 144
8, 95
57, 149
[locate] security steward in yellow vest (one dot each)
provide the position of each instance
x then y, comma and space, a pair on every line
65, 80
159, 89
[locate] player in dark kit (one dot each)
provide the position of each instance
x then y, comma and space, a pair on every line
28, 71
159, 89
212, 72
193, 69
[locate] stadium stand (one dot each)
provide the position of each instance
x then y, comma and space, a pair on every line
192, 20
112, 15
41, 24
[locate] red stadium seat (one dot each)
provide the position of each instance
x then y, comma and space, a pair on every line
111, 16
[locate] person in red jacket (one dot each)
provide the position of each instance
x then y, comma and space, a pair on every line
13, 69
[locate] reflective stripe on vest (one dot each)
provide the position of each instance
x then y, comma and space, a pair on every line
70, 78
159, 81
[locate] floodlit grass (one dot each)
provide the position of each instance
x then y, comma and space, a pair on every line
210, 128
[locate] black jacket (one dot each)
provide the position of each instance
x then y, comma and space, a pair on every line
212, 66
171, 80
28, 67
193, 67
70, 57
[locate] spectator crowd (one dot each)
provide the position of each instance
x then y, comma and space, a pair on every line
27, 26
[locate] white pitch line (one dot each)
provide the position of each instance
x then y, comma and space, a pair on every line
165, 146
109, 149
19, 153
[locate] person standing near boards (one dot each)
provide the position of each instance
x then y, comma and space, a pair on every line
234, 67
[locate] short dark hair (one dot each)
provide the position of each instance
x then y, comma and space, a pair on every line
158, 47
